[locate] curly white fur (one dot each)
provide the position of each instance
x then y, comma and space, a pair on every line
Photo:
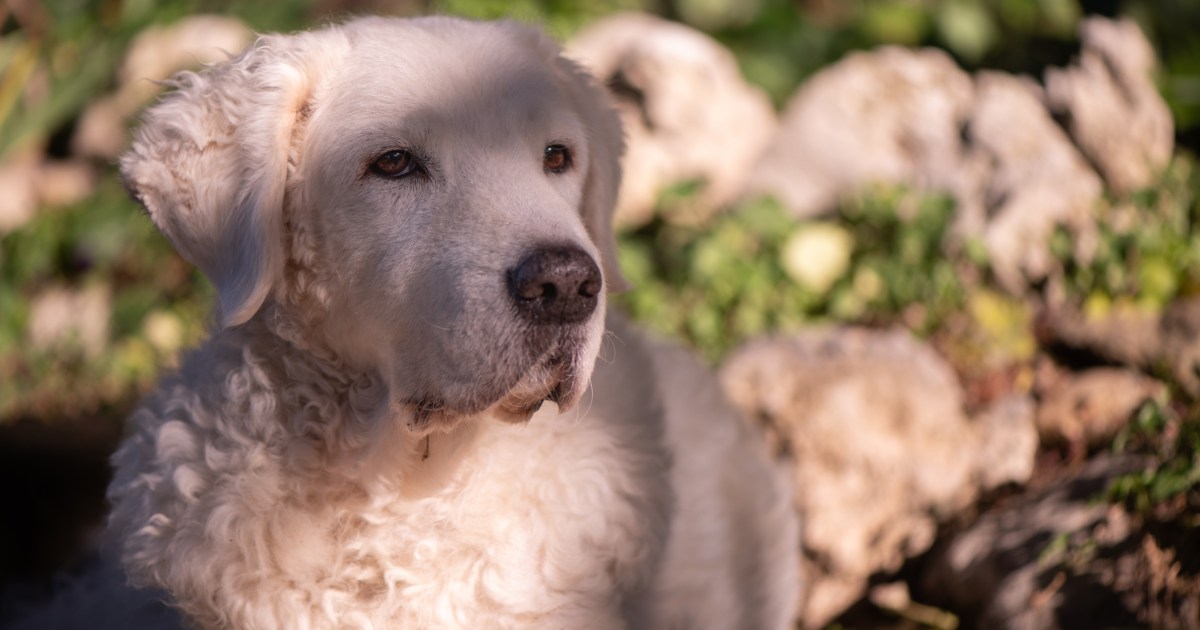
353, 448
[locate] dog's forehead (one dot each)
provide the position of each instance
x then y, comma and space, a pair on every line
462, 75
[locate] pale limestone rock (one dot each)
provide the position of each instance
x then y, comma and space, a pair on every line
66, 182
883, 449
688, 113
1030, 180
1135, 337
1179, 331
906, 117
153, 56
892, 115
18, 203
1127, 336
30, 183
1111, 105
1008, 442
1089, 408
65, 317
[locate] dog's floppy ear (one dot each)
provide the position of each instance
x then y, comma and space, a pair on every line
607, 142
210, 164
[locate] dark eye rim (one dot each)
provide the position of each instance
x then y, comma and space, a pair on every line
558, 148
416, 165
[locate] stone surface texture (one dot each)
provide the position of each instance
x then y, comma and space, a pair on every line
688, 113
883, 449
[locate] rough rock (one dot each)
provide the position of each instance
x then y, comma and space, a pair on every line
688, 113
65, 182
1004, 571
18, 204
30, 183
1125, 336
153, 56
1111, 105
1179, 330
892, 115
883, 449
1087, 409
1133, 337
61, 317
1021, 179
911, 117
1008, 441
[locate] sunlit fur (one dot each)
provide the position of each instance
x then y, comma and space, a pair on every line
352, 447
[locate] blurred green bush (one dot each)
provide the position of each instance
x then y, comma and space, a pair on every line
756, 269
159, 305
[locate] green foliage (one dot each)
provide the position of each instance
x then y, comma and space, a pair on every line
715, 285
158, 305
1148, 249
65, 53
1172, 479
561, 18
779, 46
1171, 25
901, 240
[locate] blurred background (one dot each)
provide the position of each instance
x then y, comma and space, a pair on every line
979, 215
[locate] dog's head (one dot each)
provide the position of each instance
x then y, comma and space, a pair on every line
441, 189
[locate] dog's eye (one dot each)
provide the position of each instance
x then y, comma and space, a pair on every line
396, 163
557, 158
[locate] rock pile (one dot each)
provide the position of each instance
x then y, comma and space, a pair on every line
688, 114
885, 451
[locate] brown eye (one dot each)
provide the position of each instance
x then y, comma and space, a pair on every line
557, 158
396, 163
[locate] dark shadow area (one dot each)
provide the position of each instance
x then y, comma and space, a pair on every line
53, 475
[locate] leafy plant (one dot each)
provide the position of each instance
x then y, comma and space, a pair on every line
156, 304
561, 18
1171, 481
756, 269
58, 55
1148, 247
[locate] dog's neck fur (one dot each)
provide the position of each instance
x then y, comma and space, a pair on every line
336, 411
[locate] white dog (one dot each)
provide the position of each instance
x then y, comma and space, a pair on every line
407, 226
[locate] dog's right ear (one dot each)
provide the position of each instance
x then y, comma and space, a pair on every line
210, 162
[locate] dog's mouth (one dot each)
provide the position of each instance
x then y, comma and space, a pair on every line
554, 378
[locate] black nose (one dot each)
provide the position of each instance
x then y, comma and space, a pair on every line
555, 285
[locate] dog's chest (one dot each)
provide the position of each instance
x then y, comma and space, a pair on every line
534, 520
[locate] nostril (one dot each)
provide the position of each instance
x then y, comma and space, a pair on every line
532, 290
555, 284
590, 288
